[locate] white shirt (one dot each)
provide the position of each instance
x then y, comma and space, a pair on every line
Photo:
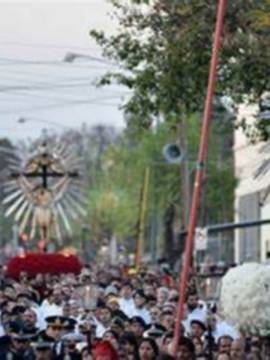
143, 313
223, 328
100, 329
196, 314
127, 306
2, 331
48, 309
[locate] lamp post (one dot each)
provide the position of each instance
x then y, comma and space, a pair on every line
144, 206
24, 120
71, 56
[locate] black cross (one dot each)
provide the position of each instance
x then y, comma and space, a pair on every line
44, 174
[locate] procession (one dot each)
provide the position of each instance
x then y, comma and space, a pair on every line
109, 313
134, 180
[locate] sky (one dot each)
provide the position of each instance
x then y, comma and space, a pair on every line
38, 88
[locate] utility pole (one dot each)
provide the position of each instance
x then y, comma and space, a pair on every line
184, 173
144, 205
199, 172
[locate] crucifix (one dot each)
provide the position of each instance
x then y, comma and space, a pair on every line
44, 189
39, 167
44, 196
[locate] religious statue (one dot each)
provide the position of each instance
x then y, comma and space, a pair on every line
44, 190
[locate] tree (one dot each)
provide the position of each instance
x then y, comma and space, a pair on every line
164, 49
261, 17
114, 201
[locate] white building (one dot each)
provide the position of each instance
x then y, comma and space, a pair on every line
251, 200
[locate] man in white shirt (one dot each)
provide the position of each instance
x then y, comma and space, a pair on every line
126, 301
140, 309
53, 305
195, 311
103, 320
219, 328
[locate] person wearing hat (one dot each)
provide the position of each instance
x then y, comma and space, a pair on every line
140, 300
54, 329
156, 331
70, 350
113, 303
69, 325
20, 347
10, 328
68, 328
42, 350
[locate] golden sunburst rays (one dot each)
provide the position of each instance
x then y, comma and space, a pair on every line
43, 190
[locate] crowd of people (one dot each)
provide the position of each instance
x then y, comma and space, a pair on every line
110, 313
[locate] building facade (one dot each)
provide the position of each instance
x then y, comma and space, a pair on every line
252, 195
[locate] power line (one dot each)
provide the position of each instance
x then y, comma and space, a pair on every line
37, 77
47, 86
10, 61
63, 99
42, 45
34, 90
11, 81
59, 105
66, 68
8, 88
53, 97
37, 84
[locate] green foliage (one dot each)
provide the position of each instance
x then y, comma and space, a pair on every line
260, 18
111, 213
114, 204
165, 49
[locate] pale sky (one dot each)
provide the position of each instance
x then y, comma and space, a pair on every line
36, 84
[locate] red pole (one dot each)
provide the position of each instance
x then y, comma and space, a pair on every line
199, 172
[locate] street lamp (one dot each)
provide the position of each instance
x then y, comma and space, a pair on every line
23, 120
71, 56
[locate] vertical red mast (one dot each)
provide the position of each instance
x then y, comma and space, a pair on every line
199, 171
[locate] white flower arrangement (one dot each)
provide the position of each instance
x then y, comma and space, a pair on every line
245, 298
